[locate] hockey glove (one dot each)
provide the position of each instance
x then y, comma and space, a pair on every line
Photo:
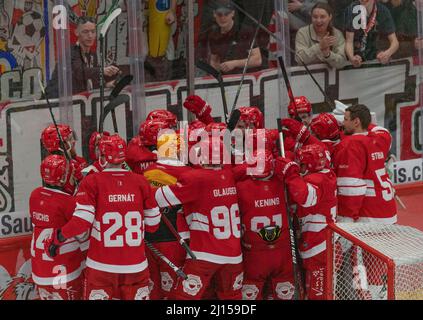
296, 130
199, 107
284, 168
52, 244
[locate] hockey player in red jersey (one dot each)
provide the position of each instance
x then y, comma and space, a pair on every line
314, 191
166, 171
50, 208
365, 193
163, 115
142, 148
325, 127
118, 206
51, 142
210, 203
265, 234
300, 109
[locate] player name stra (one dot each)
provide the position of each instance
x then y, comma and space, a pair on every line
224, 192
129, 197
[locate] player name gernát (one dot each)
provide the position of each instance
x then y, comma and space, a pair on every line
121, 197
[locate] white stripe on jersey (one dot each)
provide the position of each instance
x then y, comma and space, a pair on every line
311, 196
205, 256
153, 220
85, 207
113, 268
313, 251
84, 215
58, 279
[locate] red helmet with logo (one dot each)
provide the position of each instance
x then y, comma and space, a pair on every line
302, 105
212, 152
262, 166
93, 144
51, 141
268, 136
149, 130
252, 115
219, 126
54, 169
325, 126
313, 156
197, 124
163, 115
112, 148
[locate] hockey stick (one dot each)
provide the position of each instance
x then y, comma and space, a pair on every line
104, 28
218, 76
177, 270
174, 232
292, 235
110, 107
121, 83
327, 99
244, 70
62, 143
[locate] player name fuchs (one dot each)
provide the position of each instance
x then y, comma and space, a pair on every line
266, 202
40, 216
224, 192
122, 197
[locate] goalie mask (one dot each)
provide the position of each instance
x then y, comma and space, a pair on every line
325, 126
251, 117
112, 149
54, 170
51, 141
163, 115
312, 157
150, 129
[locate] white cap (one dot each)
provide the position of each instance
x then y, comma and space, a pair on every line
339, 111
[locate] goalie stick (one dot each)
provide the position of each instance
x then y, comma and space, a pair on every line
177, 270
103, 31
298, 279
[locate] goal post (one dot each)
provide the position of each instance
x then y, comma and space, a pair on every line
372, 261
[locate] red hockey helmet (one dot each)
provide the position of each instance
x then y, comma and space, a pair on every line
325, 126
112, 148
213, 152
51, 141
252, 116
262, 166
197, 124
93, 144
217, 126
269, 137
54, 169
302, 105
313, 157
149, 130
163, 115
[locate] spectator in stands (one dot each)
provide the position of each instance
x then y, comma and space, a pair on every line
299, 13
229, 46
404, 14
84, 63
339, 7
360, 44
320, 42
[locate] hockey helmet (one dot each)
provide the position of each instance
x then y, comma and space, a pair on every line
252, 116
149, 130
301, 105
53, 170
325, 126
263, 163
51, 141
313, 157
112, 148
163, 115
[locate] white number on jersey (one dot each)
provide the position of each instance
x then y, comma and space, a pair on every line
227, 222
134, 226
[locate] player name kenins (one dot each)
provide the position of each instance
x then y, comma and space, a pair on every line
129, 197
224, 192
266, 202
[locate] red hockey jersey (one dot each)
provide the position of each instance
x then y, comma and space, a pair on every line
139, 157
365, 192
262, 204
51, 208
211, 208
120, 206
315, 195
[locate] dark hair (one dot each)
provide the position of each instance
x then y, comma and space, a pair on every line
84, 19
362, 112
329, 10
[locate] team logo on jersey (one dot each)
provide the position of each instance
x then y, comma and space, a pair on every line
142, 294
98, 295
285, 290
167, 281
119, 183
45, 295
223, 177
266, 188
249, 292
238, 281
192, 285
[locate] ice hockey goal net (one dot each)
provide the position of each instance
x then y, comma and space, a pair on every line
371, 261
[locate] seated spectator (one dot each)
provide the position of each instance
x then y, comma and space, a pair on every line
320, 42
299, 13
229, 46
360, 42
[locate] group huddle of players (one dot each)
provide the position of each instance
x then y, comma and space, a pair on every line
91, 222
